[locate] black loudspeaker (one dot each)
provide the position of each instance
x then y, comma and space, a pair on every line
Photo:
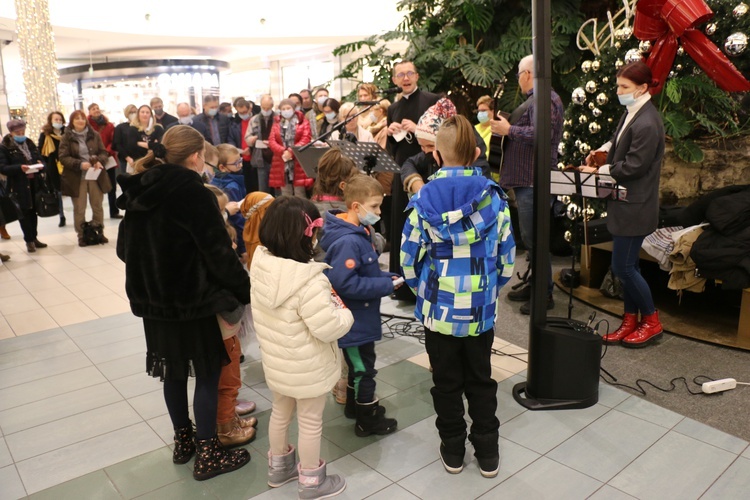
564, 362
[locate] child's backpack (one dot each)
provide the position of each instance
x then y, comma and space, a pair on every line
92, 233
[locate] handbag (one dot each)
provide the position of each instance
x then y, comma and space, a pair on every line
611, 286
46, 199
9, 205
92, 233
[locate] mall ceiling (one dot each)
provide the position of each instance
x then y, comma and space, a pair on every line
229, 30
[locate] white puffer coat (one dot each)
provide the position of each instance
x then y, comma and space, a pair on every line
297, 321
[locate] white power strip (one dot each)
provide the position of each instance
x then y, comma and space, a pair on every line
722, 385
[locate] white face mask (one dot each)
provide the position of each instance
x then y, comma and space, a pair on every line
266, 112
373, 118
287, 113
185, 120
322, 100
627, 99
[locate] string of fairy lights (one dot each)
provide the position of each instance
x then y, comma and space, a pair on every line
37, 49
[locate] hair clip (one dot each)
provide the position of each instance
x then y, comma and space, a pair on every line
311, 224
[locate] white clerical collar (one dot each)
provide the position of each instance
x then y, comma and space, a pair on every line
407, 96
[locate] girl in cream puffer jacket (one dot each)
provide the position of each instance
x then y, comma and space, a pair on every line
298, 319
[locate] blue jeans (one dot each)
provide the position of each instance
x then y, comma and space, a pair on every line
625, 259
525, 204
263, 173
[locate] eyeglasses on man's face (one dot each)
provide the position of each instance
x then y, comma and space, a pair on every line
518, 75
410, 74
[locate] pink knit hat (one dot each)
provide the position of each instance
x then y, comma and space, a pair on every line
430, 121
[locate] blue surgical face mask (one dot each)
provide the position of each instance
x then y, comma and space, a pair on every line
19, 138
287, 113
369, 218
266, 112
245, 116
212, 112
331, 117
627, 99
57, 125
483, 116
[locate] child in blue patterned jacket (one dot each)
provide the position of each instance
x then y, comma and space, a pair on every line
457, 251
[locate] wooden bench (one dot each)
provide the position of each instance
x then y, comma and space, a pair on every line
596, 259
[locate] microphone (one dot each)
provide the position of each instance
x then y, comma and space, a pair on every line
392, 90
367, 103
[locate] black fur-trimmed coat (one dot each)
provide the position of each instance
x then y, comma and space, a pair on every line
179, 262
11, 159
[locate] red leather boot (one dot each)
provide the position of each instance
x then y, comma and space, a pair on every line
628, 326
649, 330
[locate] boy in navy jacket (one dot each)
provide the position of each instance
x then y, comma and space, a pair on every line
230, 180
356, 276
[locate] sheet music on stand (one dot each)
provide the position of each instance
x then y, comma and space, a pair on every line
368, 156
586, 184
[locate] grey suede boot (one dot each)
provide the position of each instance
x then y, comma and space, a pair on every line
282, 468
314, 483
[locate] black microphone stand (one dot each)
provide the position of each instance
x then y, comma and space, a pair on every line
336, 127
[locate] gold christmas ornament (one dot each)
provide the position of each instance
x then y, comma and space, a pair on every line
595, 65
586, 66
591, 86
602, 99
568, 236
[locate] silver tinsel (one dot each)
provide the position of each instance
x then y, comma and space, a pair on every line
735, 44
578, 96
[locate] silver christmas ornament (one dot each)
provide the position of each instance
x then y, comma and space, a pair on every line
577, 143
592, 106
632, 56
740, 10
623, 34
711, 28
591, 86
588, 213
568, 236
602, 99
735, 44
619, 64
671, 74
678, 67
560, 166
644, 46
594, 128
586, 66
680, 51
565, 199
605, 79
579, 96
603, 215
596, 112
618, 45
595, 65
584, 148
561, 148
582, 119
566, 135
573, 211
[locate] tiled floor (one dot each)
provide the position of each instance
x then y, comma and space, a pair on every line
80, 419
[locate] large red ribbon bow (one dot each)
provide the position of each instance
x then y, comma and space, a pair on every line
667, 20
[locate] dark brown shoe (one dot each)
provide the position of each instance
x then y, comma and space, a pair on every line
81, 243
103, 240
3, 233
4, 258
39, 244
30, 247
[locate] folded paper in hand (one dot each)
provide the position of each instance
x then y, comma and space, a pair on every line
93, 173
400, 135
111, 163
34, 168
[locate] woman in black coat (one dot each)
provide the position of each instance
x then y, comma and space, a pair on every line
180, 271
17, 153
634, 157
143, 131
49, 143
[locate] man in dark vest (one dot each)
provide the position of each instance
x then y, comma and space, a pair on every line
517, 171
402, 119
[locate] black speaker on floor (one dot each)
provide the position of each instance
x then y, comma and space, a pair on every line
564, 362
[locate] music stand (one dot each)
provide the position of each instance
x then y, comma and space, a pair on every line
368, 156
308, 158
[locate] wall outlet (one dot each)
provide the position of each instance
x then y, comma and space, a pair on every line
722, 385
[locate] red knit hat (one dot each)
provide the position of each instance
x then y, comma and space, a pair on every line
430, 121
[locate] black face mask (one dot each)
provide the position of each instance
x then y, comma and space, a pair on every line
100, 120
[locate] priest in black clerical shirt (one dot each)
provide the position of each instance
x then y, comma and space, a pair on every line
403, 116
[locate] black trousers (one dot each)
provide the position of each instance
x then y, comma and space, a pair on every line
28, 224
361, 362
112, 195
461, 365
250, 175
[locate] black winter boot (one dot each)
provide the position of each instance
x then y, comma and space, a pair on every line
486, 453
452, 451
184, 446
350, 410
371, 419
213, 459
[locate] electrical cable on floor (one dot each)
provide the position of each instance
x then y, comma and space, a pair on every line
402, 326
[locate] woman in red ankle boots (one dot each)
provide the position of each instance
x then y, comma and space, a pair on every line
634, 157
